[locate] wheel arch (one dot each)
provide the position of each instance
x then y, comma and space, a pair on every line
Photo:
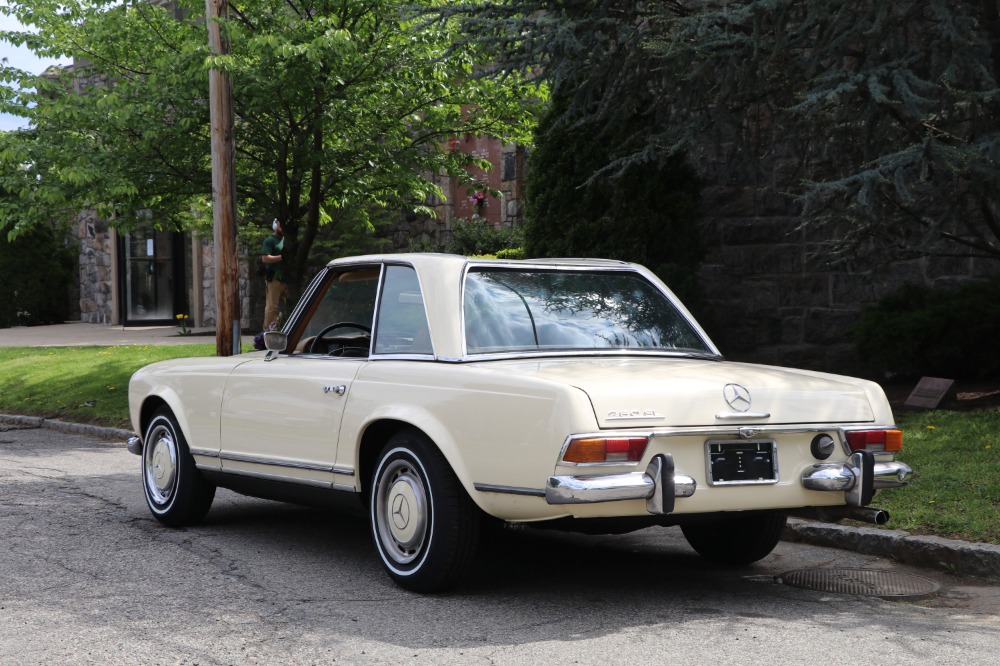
154, 402
379, 430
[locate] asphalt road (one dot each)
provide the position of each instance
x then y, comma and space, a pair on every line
87, 577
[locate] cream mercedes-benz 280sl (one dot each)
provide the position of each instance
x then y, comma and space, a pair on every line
440, 390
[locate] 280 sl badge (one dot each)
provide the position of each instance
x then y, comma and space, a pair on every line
633, 414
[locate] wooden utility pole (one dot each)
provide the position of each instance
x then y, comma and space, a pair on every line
227, 285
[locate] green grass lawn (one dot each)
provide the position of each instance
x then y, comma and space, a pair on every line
79, 384
955, 490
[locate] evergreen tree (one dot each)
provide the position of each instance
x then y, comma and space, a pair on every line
648, 213
879, 117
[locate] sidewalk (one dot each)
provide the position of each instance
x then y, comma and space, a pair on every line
961, 557
78, 334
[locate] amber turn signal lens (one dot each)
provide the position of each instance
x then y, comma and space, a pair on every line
876, 441
605, 449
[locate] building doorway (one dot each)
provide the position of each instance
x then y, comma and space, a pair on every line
152, 279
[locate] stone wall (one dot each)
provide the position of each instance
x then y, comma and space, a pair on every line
96, 270
772, 295
98, 282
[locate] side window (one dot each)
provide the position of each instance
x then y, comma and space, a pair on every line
402, 320
340, 324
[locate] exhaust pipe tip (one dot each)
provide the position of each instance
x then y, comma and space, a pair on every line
873, 516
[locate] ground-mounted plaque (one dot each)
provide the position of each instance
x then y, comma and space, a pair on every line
930, 392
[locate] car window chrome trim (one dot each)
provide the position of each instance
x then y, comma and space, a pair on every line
584, 266
306, 298
508, 490
608, 353
378, 306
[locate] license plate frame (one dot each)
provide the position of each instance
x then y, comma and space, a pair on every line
741, 462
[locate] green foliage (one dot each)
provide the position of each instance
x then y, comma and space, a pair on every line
341, 108
919, 331
479, 237
646, 213
955, 490
882, 118
36, 270
511, 253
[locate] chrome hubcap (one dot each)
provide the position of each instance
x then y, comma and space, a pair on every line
160, 462
401, 511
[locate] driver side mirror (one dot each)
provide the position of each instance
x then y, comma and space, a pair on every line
275, 341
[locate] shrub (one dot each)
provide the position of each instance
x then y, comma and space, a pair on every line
478, 237
36, 270
918, 331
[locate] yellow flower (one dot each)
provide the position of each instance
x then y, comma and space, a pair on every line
932, 427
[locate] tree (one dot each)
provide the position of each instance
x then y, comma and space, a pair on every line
648, 215
341, 106
879, 117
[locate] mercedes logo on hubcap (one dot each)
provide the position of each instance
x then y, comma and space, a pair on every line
737, 397
400, 512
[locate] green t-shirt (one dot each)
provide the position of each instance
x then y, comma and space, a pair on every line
273, 245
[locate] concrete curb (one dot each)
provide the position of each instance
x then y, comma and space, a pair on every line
64, 426
981, 560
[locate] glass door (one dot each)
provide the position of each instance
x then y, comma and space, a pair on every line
153, 276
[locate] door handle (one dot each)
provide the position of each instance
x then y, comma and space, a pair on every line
339, 390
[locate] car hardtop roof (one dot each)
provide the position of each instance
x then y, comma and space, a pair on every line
425, 259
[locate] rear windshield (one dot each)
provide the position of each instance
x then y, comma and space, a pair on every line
515, 310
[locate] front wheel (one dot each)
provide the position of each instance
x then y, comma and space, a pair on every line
738, 540
176, 493
425, 526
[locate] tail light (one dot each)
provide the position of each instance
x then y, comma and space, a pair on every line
605, 449
875, 441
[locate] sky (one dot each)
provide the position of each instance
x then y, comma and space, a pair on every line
20, 58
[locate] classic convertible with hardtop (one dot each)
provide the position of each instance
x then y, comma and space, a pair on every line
444, 391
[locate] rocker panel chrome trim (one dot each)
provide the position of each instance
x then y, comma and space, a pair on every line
341, 487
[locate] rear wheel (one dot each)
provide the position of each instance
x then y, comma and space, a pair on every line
176, 493
737, 540
425, 526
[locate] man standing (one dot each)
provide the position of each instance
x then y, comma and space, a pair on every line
273, 273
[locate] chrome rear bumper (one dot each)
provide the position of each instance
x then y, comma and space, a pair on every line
134, 445
659, 485
859, 477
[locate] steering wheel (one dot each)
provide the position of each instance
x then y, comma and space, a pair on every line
340, 324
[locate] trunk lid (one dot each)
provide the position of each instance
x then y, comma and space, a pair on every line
671, 392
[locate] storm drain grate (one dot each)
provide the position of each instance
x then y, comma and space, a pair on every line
865, 582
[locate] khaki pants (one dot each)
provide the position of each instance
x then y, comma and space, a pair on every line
275, 294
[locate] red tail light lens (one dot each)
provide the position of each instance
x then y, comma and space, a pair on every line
606, 449
875, 441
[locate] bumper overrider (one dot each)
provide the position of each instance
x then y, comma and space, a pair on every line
660, 484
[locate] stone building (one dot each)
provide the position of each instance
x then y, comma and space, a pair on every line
148, 277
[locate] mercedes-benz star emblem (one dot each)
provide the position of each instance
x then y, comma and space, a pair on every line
400, 512
738, 397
